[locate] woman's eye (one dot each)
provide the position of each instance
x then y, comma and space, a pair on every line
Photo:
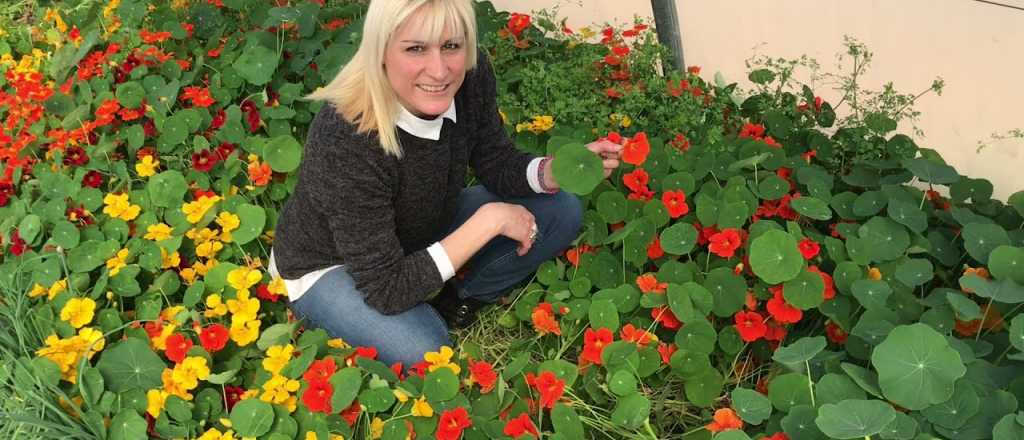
451, 46
416, 48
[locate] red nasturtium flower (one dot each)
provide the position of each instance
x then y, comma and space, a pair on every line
666, 350
835, 334
452, 423
92, 179
351, 414
517, 23
830, 287
638, 336
809, 248
781, 311
612, 92
654, 250
260, 173
544, 320
232, 395
750, 326
204, 160
320, 371
573, 254
724, 420
636, 180
482, 373
75, 156
154, 37
365, 352
177, 347
200, 96
666, 318
594, 342
636, 149
649, 284
317, 397
675, 203
755, 131
549, 386
725, 243
520, 426
214, 337
777, 436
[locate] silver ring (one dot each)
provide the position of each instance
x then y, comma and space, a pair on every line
533, 232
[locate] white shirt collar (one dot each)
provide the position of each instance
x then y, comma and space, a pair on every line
424, 128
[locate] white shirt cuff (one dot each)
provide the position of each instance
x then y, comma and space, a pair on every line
444, 264
533, 175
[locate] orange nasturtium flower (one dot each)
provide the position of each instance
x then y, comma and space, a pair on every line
725, 419
544, 322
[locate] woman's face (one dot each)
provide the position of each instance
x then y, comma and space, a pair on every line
425, 74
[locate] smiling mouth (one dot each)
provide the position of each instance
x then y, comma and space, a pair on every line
433, 89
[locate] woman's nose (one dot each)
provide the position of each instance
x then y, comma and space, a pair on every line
436, 67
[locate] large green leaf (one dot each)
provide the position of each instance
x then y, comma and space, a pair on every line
130, 364
916, 366
854, 418
127, 425
931, 171
774, 257
800, 351
632, 411
283, 153
251, 220
981, 239
252, 417
577, 169
256, 64
679, 239
752, 406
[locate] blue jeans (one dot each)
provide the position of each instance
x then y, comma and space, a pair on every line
336, 305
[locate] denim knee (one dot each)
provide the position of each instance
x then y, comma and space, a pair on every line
566, 217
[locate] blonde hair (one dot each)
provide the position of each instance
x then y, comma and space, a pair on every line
361, 92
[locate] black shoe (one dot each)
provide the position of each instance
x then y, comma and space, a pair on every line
457, 312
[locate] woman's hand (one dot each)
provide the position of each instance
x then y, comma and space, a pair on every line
514, 222
609, 152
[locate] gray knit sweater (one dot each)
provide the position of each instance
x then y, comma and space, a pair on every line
357, 206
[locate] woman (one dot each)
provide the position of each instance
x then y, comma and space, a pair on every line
379, 219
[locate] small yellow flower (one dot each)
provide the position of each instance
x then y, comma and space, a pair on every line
200, 236
190, 371
160, 342
243, 278
209, 249
147, 166
118, 206
337, 343
117, 262
278, 389
215, 434
56, 289
170, 314
376, 428
168, 261
421, 408
243, 308
37, 291
214, 307
158, 232
874, 274
441, 359
244, 333
228, 222
277, 287
194, 211
155, 400
277, 357
401, 395
78, 311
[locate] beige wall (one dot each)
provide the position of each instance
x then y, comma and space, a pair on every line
977, 48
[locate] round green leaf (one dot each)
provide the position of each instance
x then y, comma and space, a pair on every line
566, 421
622, 382
811, 207
854, 418
252, 417
346, 383
1007, 262
800, 351
789, 390
1008, 428
612, 206
130, 94
869, 203
632, 411
884, 239
130, 364
752, 406
440, 385
65, 234
909, 215
931, 171
916, 366
704, 388
1017, 332
697, 336
915, 272
978, 190
834, 388
251, 219
799, 424
872, 294
679, 239
283, 153
603, 313
577, 169
167, 189
29, 227
377, 399
954, 412
964, 307
773, 187
127, 425
774, 257
256, 64
806, 291
981, 239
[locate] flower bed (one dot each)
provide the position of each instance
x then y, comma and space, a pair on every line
752, 271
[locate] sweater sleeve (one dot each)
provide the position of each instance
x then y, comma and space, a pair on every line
354, 192
499, 165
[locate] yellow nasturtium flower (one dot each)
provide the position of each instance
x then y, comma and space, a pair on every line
214, 434
78, 311
243, 308
118, 206
277, 357
215, 308
243, 278
874, 274
168, 261
421, 408
278, 389
190, 371
147, 166
158, 232
245, 332
56, 288
376, 428
441, 359
117, 262
228, 222
194, 211
209, 249
155, 400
